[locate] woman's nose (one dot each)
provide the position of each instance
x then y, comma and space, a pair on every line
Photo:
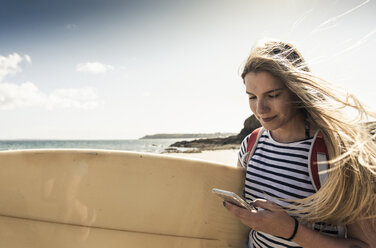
262, 107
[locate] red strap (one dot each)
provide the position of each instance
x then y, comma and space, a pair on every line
319, 146
252, 139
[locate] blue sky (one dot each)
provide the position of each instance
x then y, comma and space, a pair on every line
89, 69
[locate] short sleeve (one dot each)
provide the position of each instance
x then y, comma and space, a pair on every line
243, 150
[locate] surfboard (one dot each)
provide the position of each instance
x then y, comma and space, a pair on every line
102, 198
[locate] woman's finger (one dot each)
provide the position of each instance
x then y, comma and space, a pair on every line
237, 211
267, 205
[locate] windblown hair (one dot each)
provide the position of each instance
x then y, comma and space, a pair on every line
349, 194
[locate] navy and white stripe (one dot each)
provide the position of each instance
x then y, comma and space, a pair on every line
277, 171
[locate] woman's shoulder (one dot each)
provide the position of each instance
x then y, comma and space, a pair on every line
254, 135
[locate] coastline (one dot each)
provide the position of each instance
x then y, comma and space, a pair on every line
228, 157
223, 154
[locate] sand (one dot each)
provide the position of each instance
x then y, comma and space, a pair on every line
227, 157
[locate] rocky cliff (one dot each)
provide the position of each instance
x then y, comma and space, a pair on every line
231, 142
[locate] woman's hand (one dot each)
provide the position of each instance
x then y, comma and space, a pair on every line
270, 219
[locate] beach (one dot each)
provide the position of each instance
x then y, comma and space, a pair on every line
227, 157
158, 146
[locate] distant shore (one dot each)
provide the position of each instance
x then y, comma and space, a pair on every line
198, 142
206, 147
227, 157
187, 135
209, 144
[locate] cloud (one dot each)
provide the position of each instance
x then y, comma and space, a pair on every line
28, 95
11, 64
27, 58
94, 68
13, 95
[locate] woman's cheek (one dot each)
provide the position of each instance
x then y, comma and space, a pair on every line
252, 106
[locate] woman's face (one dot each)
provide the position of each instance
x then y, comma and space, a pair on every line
271, 102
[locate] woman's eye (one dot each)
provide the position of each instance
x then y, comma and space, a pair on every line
274, 96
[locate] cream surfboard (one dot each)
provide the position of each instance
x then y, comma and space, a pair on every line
100, 198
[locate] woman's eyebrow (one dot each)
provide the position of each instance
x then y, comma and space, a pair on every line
267, 92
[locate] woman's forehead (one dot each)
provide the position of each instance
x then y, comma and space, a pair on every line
262, 82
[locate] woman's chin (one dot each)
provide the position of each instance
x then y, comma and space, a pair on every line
267, 125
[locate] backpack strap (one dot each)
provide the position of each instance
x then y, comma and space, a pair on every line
252, 143
318, 161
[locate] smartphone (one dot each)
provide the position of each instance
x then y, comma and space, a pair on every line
233, 198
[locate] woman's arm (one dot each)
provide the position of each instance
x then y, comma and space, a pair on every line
307, 238
274, 220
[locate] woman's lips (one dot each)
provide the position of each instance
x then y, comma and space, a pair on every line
268, 119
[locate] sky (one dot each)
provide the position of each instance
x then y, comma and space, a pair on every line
90, 69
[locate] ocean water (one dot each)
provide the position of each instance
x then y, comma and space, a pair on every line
138, 145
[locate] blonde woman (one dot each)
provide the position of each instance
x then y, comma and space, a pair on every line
293, 105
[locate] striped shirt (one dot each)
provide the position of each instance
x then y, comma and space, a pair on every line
275, 172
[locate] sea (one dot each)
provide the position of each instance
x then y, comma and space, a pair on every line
136, 145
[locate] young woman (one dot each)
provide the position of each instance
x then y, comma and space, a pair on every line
292, 105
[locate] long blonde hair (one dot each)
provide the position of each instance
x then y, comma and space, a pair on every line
350, 192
